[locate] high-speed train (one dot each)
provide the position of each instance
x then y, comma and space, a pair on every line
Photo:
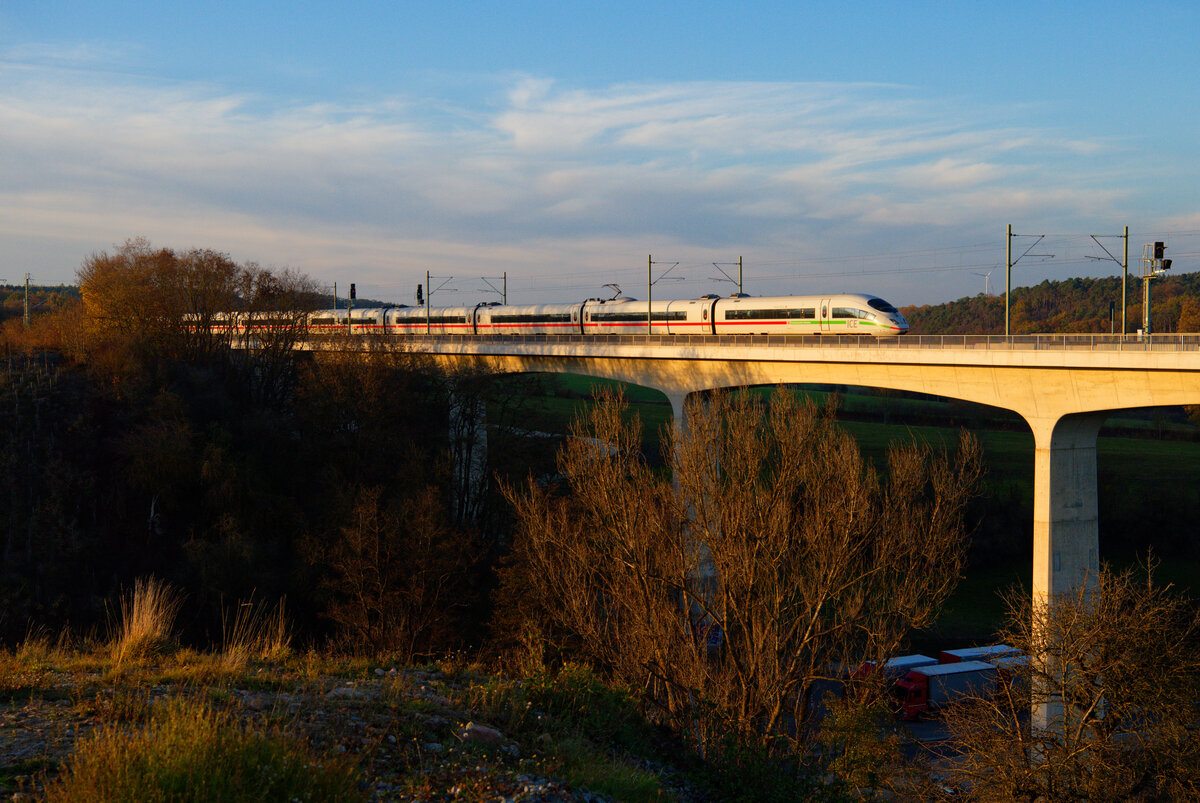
848, 313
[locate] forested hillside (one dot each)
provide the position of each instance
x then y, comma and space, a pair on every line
1070, 305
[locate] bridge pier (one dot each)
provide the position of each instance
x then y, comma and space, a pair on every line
1066, 543
1065, 504
678, 400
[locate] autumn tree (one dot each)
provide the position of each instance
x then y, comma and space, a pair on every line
1116, 664
774, 558
1189, 315
138, 299
143, 303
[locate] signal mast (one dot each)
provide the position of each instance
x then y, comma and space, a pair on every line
1153, 267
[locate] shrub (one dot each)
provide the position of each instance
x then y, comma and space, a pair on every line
586, 765
773, 552
570, 701
1113, 679
861, 745
588, 733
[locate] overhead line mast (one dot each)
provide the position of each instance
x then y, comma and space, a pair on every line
1124, 271
1008, 270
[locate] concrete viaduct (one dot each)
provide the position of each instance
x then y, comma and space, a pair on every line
1064, 386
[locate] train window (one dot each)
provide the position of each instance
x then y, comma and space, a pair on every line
848, 312
881, 305
805, 313
534, 318
705, 314
639, 317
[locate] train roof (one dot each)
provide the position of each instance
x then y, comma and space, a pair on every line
735, 298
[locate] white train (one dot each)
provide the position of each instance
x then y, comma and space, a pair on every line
847, 313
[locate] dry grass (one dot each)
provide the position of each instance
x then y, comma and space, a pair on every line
147, 618
194, 752
255, 632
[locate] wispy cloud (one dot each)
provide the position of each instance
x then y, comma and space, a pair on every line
86, 55
531, 177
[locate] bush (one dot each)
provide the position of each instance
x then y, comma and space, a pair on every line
572, 701
1113, 681
725, 592
861, 745
586, 732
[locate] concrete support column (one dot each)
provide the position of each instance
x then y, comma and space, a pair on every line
677, 398
704, 574
1066, 544
1065, 504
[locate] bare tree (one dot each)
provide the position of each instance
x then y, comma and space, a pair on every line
397, 575
1119, 666
775, 558
272, 318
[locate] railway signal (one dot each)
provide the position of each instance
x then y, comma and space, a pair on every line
1153, 265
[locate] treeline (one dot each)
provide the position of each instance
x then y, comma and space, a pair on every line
1080, 305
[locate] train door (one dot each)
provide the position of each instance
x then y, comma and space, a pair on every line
577, 319
825, 311
708, 316
675, 308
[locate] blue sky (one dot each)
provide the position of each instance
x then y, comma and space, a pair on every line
879, 147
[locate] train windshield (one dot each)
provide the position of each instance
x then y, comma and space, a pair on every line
881, 305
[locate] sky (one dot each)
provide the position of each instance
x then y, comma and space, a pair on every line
832, 146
